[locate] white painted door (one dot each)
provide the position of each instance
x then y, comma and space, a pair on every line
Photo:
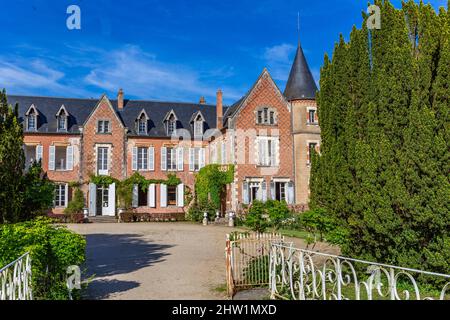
110, 210
92, 199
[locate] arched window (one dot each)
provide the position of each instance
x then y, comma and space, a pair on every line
31, 119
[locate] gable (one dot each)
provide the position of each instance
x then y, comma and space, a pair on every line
102, 110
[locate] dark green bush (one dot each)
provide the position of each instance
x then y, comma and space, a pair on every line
196, 211
257, 217
52, 249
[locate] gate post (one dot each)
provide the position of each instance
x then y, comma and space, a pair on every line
230, 283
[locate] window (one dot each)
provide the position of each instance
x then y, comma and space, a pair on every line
142, 197
198, 128
60, 158
311, 116
32, 154
171, 159
171, 125
142, 158
254, 190
62, 121
280, 191
172, 195
267, 149
60, 195
102, 160
266, 116
195, 159
31, 121
103, 126
142, 126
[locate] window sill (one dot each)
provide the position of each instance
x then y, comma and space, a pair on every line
266, 166
267, 124
104, 133
315, 124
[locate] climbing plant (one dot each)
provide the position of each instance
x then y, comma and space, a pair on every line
209, 184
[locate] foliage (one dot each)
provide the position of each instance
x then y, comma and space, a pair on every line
196, 211
278, 211
12, 161
257, 270
77, 203
37, 193
319, 221
210, 183
384, 163
52, 249
257, 217
103, 181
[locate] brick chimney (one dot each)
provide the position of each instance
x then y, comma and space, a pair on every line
120, 99
219, 109
202, 100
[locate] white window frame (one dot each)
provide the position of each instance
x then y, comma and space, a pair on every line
308, 156
269, 159
103, 129
266, 116
34, 117
308, 122
61, 189
103, 171
171, 164
142, 158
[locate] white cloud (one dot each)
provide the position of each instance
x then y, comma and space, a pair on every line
279, 60
142, 75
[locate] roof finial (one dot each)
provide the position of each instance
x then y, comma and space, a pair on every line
298, 26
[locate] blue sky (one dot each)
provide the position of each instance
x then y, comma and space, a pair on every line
164, 50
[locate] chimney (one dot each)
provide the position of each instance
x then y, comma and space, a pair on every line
202, 100
120, 99
219, 109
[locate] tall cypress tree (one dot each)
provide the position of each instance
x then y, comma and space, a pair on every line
384, 163
11, 161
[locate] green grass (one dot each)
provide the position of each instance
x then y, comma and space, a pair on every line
294, 233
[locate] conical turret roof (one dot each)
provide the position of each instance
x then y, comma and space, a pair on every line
301, 84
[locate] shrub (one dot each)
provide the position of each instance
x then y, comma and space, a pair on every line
196, 211
52, 249
319, 221
257, 217
77, 203
278, 211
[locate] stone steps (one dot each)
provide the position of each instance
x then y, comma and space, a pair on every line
102, 219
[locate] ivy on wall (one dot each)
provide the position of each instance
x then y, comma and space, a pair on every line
124, 188
210, 182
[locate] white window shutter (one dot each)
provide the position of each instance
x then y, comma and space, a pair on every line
261, 152
191, 159
66, 191
290, 193
163, 196
264, 191
164, 158
152, 195
39, 150
69, 156
151, 159
180, 160
134, 160
272, 190
223, 151
51, 159
92, 199
275, 146
112, 199
245, 198
135, 199
202, 157
180, 195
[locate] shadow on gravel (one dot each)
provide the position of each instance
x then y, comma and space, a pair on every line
113, 254
102, 289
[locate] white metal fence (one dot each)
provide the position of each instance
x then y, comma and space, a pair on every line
247, 259
15, 279
306, 275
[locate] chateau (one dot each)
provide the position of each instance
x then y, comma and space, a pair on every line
268, 135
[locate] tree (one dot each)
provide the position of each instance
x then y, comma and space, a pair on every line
37, 193
383, 168
11, 161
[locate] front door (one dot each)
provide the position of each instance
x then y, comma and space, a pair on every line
102, 200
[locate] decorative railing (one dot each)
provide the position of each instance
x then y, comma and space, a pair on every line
297, 274
15, 280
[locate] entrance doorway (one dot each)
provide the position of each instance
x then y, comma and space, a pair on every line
102, 202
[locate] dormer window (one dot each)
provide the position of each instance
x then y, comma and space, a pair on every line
197, 121
141, 123
266, 116
31, 119
61, 119
170, 121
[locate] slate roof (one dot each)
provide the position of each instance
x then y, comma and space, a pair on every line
301, 84
80, 109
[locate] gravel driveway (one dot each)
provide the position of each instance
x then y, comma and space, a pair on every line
155, 260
